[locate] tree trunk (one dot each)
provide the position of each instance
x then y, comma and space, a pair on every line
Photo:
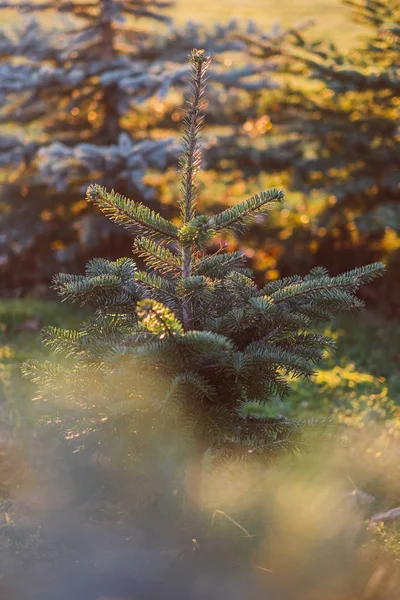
111, 126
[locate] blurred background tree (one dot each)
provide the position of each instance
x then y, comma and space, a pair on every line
344, 105
319, 118
350, 128
84, 102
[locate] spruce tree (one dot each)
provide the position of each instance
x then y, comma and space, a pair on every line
75, 98
191, 340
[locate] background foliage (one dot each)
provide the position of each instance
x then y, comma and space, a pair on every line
296, 135
88, 97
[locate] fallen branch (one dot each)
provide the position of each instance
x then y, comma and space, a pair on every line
220, 512
390, 515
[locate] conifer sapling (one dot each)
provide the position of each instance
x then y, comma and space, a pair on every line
191, 339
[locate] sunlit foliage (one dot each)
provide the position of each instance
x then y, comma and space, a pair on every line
84, 92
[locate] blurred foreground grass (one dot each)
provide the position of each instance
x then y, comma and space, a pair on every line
358, 387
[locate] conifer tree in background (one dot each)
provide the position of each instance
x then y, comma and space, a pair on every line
350, 118
73, 89
191, 340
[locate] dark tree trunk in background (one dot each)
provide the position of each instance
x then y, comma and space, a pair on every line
111, 126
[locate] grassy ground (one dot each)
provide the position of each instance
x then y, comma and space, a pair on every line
332, 18
363, 365
20, 323
357, 384
358, 387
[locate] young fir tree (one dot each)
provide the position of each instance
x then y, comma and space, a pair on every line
192, 340
75, 90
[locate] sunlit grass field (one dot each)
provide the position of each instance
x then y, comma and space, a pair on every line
331, 17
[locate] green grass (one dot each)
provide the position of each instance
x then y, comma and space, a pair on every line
20, 321
363, 366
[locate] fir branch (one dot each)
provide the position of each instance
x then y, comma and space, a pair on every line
159, 288
44, 373
236, 217
189, 384
63, 341
125, 268
240, 286
259, 354
158, 319
326, 286
134, 216
206, 342
220, 264
157, 257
